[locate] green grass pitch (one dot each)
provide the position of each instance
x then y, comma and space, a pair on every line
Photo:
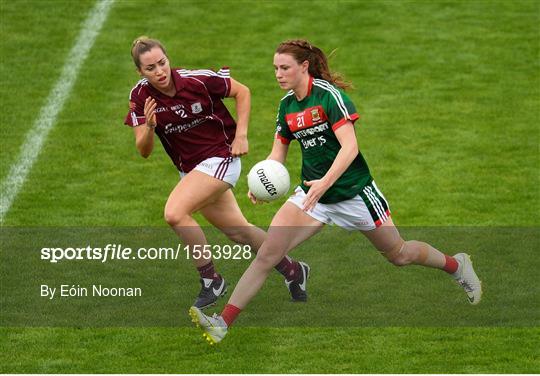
449, 98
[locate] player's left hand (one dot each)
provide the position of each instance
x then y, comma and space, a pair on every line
239, 146
317, 188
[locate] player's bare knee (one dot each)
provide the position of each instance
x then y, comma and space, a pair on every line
411, 252
400, 260
174, 218
397, 254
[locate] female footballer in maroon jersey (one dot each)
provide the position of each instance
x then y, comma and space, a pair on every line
184, 108
337, 186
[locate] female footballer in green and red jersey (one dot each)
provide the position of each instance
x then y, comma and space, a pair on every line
337, 186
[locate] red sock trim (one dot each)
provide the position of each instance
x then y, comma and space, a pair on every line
451, 265
229, 314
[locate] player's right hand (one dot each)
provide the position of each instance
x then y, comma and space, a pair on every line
254, 199
150, 111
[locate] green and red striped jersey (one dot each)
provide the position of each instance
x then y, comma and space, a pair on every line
312, 121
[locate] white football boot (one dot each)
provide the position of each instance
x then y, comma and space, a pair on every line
467, 278
214, 328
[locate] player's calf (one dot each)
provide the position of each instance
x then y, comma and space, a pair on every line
248, 234
417, 253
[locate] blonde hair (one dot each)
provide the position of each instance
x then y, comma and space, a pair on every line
301, 50
141, 45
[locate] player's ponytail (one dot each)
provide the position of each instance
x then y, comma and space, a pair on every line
302, 50
141, 45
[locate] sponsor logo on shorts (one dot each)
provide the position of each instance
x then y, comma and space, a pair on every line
207, 165
362, 223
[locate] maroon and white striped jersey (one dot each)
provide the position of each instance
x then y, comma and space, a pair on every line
194, 124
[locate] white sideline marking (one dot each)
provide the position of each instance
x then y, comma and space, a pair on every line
38, 133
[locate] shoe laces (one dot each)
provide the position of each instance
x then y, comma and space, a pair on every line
218, 321
466, 285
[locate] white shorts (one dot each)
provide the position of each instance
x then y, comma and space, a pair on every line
363, 212
226, 169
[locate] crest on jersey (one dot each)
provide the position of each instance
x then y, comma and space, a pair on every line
315, 115
196, 107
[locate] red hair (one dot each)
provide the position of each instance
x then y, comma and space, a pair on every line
301, 50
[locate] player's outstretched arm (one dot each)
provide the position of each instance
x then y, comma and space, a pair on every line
347, 153
279, 151
144, 140
242, 96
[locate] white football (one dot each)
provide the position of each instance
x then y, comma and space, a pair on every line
268, 180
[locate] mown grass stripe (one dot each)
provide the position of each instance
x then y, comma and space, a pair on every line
37, 135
